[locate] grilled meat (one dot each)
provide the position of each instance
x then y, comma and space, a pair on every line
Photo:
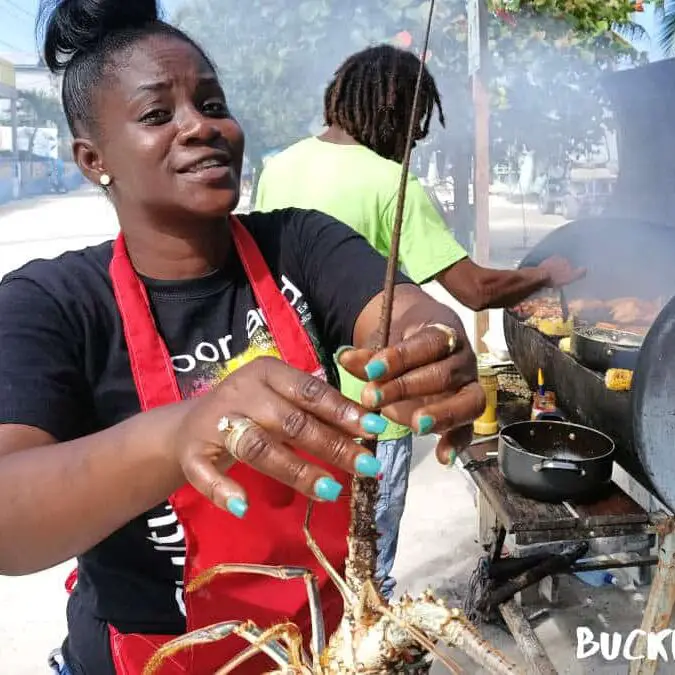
630, 314
634, 310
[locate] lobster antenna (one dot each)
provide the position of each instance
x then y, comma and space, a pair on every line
392, 263
362, 557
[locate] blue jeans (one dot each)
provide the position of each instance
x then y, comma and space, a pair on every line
57, 664
395, 457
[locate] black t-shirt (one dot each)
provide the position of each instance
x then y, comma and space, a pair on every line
64, 368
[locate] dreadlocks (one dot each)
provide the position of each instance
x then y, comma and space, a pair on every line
371, 99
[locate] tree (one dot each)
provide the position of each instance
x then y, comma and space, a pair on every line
276, 58
36, 109
556, 106
261, 50
546, 60
665, 13
584, 16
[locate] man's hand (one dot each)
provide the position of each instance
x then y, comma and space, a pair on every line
560, 272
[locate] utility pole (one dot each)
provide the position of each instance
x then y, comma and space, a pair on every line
478, 72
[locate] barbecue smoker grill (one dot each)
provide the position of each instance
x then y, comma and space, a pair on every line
629, 252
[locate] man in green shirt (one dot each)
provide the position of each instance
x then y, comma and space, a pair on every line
352, 172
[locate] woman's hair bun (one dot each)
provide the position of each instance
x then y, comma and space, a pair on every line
73, 27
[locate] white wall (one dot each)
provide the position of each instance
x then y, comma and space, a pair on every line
45, 143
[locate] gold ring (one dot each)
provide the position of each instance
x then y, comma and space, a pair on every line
235, 429
450, 332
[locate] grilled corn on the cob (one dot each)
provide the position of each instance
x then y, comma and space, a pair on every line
618, 379
553, 327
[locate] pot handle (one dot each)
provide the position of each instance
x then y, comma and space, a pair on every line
556, 415
558, 465
624, 359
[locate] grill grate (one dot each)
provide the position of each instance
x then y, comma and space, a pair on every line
511, 384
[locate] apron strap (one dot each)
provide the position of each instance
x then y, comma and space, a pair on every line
284, 324
155, 380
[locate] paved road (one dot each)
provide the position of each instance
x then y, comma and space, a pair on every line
437, 546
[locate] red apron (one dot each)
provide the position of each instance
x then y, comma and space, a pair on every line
271, 533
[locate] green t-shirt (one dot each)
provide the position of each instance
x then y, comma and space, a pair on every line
358, 187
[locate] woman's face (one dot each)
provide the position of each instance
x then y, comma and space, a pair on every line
165, 135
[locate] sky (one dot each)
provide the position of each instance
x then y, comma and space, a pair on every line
17, 24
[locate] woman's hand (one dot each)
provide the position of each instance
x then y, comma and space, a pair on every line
427, 381
263, 410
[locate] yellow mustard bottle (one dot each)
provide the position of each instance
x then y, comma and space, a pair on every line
487, 423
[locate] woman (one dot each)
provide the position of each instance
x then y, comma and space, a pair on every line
352, 172
139, 431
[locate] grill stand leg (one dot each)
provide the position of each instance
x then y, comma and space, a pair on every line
659, 609
488, 523
528, 643
530, 647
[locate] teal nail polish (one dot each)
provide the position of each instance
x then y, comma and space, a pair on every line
452, 458
376, 369
237, 507
373, 424
327, 489
376, 396
367, 465
425, 425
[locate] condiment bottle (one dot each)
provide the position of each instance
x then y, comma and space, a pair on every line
487, 423
543, 401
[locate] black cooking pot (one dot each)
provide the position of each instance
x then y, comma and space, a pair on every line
556, 461
604, 348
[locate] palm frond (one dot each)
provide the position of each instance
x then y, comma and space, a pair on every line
631, 31
667, 33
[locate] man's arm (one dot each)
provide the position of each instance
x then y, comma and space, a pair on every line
482, 288
429, 251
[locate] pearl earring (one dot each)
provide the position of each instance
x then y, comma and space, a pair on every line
105, 180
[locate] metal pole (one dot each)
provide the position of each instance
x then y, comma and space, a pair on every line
15, 124
481, 185
15, 147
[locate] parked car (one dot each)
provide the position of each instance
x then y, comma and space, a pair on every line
580, 192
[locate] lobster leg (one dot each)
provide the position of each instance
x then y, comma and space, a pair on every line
347, 594
283, 632
434, 619
372, 601
318, 643
219, 631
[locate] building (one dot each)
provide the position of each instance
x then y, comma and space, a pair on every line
31, 74
9, 180
27, 153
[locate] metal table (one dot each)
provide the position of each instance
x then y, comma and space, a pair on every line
502, 512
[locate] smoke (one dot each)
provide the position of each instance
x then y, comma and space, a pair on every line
551, 110
543, 76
